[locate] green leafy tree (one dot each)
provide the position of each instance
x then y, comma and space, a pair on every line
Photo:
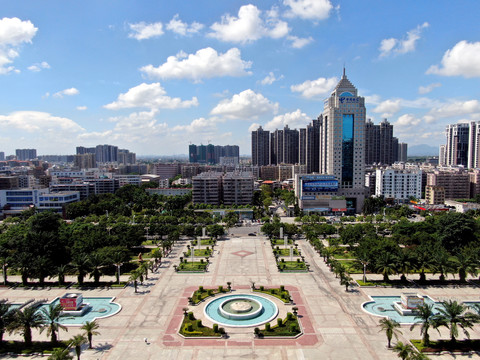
52, 316
454, 315
90, 328
441, 262
391, 328
25, 320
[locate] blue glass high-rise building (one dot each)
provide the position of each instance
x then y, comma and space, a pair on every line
343, 141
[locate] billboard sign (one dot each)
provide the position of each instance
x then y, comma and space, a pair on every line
326, 185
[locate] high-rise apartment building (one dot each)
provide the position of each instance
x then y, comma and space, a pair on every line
402, 152
2, 156
456, 148
302, 146
26, 154
211, 154
380, 145
260, 147
343, 136
313, 146
106, 153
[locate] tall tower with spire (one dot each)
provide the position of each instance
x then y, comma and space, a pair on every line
343, 141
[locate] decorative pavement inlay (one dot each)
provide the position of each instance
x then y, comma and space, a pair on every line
242, 253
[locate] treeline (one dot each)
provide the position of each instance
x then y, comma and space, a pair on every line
446, 243
104, 232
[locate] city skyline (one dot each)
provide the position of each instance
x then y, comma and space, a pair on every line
155, 77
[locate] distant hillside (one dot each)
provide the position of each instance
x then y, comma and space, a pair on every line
422, 150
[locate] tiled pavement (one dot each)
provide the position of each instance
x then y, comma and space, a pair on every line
334, 324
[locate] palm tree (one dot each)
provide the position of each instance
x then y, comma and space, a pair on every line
5, 317
423, 261
62, 270
404, 263
390, 327
52, 316
81, 265
346, 280
4, 265
453, 315
134, 277
117, 259
465, 263
418, 356
425, 318
76, 342
441, 263
404, 350
386, 265
25, 320
96, 262
60, 354
90, 328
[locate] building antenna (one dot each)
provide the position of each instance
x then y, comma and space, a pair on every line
343, 69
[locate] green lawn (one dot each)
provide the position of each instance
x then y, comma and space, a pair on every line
285, 252
352, 266
280, 242
283, 295
203, 242
343, 255
292, 265
199, 252
284, 330
195, 266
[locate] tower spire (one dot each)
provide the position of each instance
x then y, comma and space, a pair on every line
344, 76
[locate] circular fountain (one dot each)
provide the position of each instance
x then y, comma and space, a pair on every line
243, 310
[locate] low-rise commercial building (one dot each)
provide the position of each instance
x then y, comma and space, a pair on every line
398, 184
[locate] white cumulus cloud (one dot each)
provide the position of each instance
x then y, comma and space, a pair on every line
13, 33
66, 92
298, 43
143, 31
393, 46
199, 126
461, 60
81, 108
455, 108
179, 27
249, 26
39, 66
294, 119
152, 96
407, 120
270, 79
205, 63
33, 121
313, 88
309, 9
388, 107
247, 105
429, 88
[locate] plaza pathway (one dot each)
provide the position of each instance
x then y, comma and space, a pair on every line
335, 326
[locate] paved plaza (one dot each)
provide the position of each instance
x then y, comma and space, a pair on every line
334, 325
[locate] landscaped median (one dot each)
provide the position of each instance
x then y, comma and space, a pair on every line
280, 293
288, 327
439, 346
192, 327
202, 293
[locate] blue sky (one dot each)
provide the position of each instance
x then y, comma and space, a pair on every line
153, 76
